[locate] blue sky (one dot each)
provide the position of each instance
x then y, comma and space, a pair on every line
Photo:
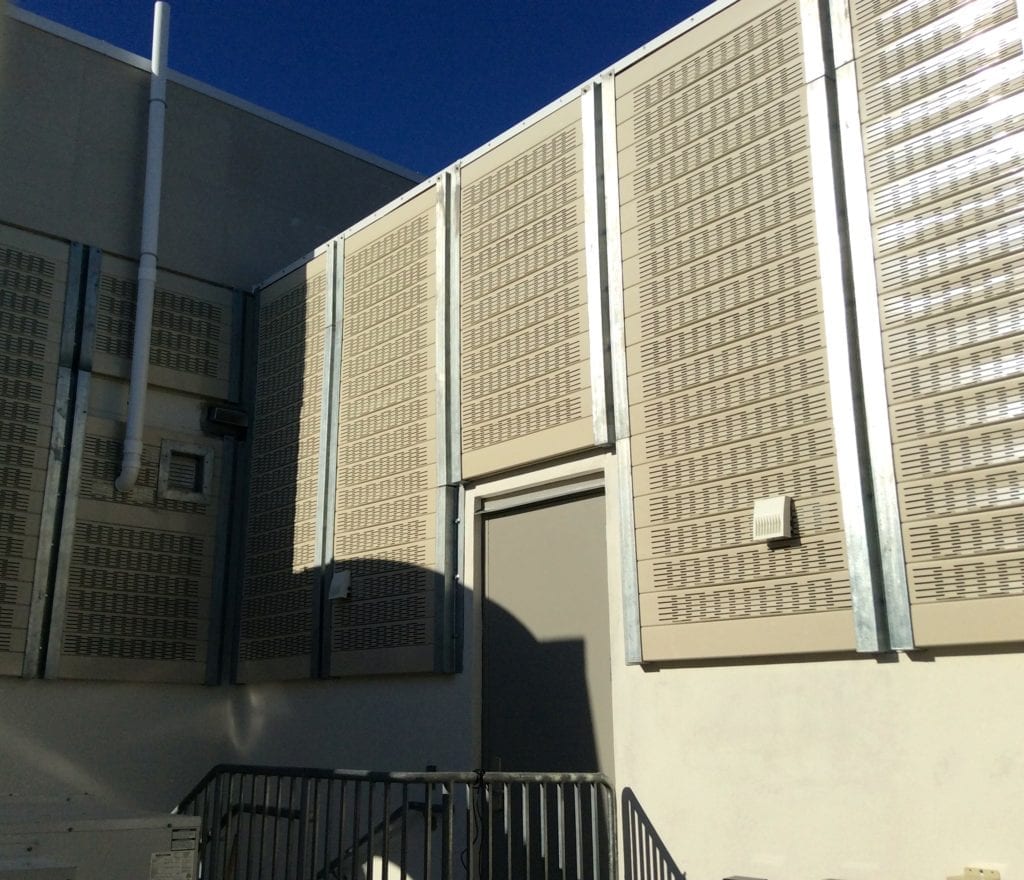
419, 83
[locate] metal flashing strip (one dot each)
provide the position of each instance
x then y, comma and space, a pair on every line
446, 654
124, 56
872, 366
74, 449
218, 599
814, 26
442, 273
454, 352
541, 494
39, 606
65, 545
329, 422
235, 575
446, 535
630, 583
841, 28
845, 398
593, 230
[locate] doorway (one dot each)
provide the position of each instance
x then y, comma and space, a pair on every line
546, 674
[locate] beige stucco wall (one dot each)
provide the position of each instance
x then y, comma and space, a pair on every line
141, 747
849, 768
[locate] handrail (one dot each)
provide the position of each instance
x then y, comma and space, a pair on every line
311, 822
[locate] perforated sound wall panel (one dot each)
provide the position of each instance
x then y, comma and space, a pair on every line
525, 362
941, 89
725, 344
190, 345
32, 287
385, 506
282, 569
140, 573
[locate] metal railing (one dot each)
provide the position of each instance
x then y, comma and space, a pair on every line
291, 823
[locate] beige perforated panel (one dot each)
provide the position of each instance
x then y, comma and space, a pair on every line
281, 572
32, 280
729, 396
140, 574
190, 346
525, 363
941, 88
385, 513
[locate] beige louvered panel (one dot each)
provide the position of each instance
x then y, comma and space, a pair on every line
525, 363
385, 510
942, 110
728, 387
140, 574
32, 286
190, 347
281, 564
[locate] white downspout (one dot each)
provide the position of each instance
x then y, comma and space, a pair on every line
132, 460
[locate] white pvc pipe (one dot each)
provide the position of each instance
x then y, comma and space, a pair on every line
132, 459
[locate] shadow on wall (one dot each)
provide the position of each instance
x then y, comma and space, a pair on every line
536, 712
644, 855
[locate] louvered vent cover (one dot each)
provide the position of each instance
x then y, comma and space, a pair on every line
32, 279
191, 336
281, 571
725, 345
525, 365
941, 87
140, 573
387, 448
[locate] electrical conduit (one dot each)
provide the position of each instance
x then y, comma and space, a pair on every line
132, 458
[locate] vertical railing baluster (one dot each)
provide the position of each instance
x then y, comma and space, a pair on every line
356, 798
263, 826
578, 824
314, 843
404, 857
369, 829
595, 832
448, 829
471, 829
506, 806
526, 830
428, 856
490, 831
328, 829
288, 823
544, 851
341, 828
385, 842
560, 805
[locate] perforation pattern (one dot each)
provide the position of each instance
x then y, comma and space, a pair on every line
725, 343
140, 572
943, 125
189, 334
525, 368
387, 448
31, 301
281, 536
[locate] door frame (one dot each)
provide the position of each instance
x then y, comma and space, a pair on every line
545, 483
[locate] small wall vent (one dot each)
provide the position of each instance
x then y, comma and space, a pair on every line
772, 518
186, 472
